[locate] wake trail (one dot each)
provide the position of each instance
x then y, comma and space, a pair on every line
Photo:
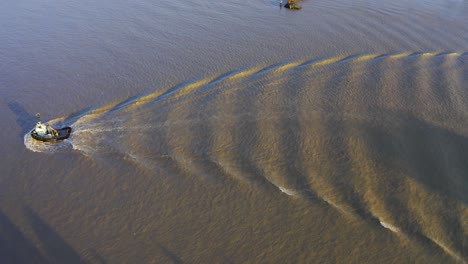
332, 129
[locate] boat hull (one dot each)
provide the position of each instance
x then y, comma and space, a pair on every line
63, 133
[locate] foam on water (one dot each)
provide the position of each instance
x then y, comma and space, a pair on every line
390, 226
287, 191
46, 147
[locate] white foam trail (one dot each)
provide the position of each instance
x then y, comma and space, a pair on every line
287, 191
87, 149
88, 140
389, 226
86, 137
45, 147
448, 250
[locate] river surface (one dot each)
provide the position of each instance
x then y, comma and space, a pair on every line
235, 131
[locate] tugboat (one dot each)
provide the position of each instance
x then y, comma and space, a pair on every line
291, 4
46, 133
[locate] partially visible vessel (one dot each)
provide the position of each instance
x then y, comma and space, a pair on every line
46, 133
291, 4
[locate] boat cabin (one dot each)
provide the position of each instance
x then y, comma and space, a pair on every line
42, 129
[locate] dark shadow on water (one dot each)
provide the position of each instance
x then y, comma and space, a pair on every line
94, 257
434, 157
14, 246
426, 153
57, 249
25, 120
173, 257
